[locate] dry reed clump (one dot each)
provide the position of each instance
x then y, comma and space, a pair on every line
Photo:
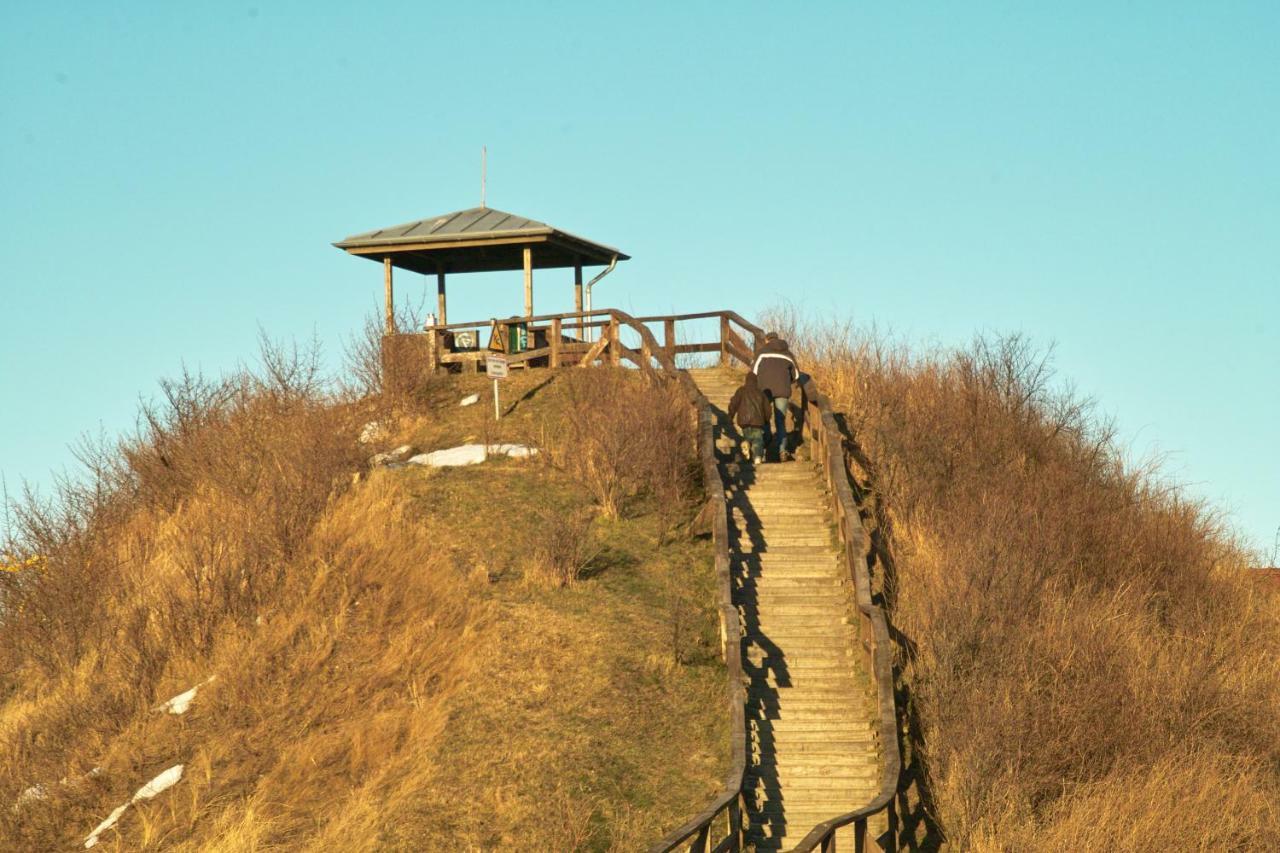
222, 540
561, 545
623, 436
1089, 663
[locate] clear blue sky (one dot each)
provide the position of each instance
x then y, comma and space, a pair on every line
1103, 176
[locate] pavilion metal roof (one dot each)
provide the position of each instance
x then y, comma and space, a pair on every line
479, 239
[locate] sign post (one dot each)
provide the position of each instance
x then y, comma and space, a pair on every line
496, 366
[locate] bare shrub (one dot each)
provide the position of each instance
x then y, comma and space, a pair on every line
561, 545
684, 614
363, 358
622, 437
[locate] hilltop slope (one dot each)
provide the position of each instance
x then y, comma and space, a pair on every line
405, 659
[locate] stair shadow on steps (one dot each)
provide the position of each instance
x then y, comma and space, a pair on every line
762, 659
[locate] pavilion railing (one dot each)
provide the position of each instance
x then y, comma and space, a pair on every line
598, 337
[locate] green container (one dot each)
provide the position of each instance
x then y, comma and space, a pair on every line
517, 337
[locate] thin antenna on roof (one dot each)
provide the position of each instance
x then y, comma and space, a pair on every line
484, 167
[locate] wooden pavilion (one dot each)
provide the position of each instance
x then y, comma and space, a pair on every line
481, 239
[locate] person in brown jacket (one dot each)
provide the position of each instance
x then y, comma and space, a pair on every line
749, 408
776, 367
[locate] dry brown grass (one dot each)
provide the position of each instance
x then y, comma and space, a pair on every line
1090, 665
622, 437
360, 635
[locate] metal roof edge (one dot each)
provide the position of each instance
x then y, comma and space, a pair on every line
452, 237
622, 256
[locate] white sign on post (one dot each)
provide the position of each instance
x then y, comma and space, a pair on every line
496, 366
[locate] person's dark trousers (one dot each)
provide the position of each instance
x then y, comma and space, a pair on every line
780, 405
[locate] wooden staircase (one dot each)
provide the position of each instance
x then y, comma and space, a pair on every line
812, 750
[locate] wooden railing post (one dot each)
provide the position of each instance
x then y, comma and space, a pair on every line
390, 297
615, 353
554, 342
724, 340
437, 351
669, 336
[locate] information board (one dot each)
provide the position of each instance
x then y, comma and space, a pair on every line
496, 366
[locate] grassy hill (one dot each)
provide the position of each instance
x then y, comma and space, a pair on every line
514, 655
522, 655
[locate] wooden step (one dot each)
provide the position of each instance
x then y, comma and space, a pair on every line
827, 745
827, 715
809, 731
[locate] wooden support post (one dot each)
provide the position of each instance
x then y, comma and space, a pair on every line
554, 341
724, 340
390, 301
577, 296
528, 281
669, 337
440, 301
615, 342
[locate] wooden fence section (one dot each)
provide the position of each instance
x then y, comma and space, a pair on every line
587, 338
561, 340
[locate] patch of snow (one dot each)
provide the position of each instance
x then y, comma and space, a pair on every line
40, 792
391, 457
156, 786
35, 792
180, 703
470, 401
160, 784
92, 840
470, 454
371, 432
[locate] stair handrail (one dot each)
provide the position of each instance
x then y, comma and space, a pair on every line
874, 629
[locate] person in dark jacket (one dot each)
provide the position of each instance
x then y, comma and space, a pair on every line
749, 408
775, 367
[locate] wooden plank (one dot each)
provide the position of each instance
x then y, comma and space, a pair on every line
463, 357
595, 351
741, 355
724, 341
397, 248
635, 357
602, 320
577, 294
681, 348
529, 355
755, 331
443, 316
390, 300
528, 281
735, 340
553, 338
702, 316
